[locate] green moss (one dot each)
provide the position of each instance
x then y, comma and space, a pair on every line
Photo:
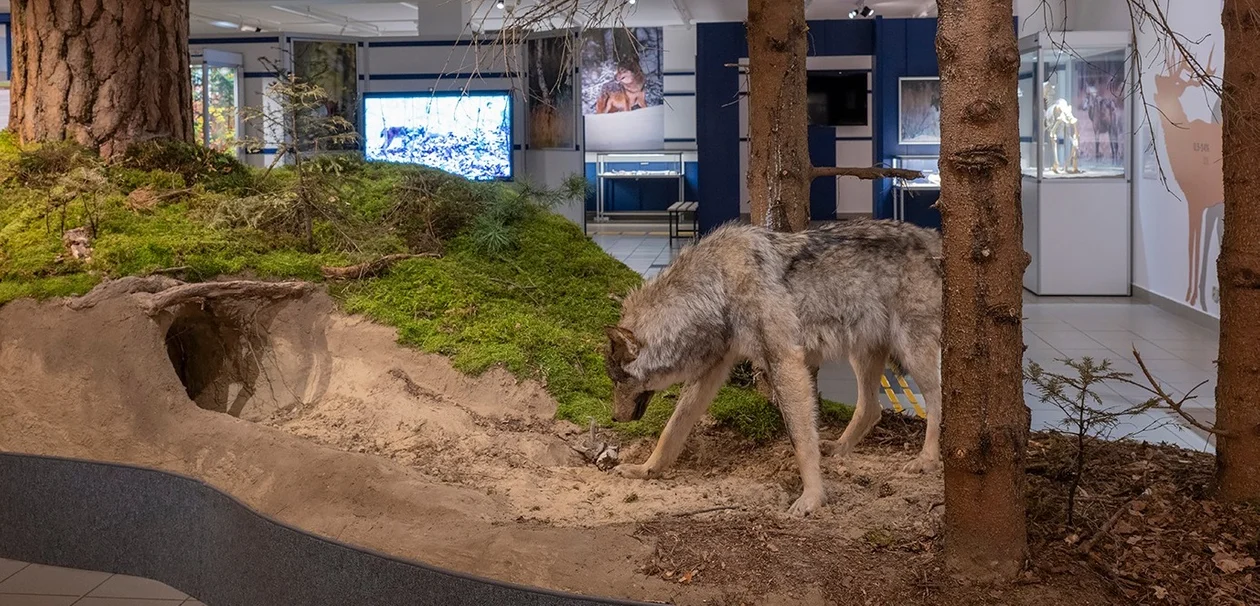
46, 288
129, 179
535, 304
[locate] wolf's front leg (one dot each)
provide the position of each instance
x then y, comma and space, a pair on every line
797, 398
692, 404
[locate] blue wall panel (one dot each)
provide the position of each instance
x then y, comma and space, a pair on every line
822, 192
717, 113
903, 48
717, 121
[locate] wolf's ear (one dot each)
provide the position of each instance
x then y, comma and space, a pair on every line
624, 347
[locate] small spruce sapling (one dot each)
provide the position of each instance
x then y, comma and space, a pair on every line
1086, 415
305, 135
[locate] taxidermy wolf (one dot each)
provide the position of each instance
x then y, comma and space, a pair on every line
869, 290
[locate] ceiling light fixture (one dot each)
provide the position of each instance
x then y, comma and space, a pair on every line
330, 18
224, 24
631, 1
499, 5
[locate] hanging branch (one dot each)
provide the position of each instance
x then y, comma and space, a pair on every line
1175, 405
867, 173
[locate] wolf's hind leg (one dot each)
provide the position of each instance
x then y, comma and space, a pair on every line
798, 400
692, 404
925, 366
868, 367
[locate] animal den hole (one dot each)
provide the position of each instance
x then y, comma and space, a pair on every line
216, 355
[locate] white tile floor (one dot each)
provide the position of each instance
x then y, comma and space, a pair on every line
23, 584
1178, 352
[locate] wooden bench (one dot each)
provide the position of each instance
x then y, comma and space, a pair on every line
677, 213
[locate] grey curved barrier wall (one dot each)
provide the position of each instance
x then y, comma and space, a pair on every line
185, 533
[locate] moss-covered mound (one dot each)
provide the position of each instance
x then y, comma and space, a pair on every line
513, 285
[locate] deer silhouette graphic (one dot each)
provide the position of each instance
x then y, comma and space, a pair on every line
1193, 148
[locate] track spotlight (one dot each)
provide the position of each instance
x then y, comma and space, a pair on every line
631, 1
499, 5
866, 11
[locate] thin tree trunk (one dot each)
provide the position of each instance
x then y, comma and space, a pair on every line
779, 171
1238, 454
985, 420
103, 73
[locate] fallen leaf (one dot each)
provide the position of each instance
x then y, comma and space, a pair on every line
686, 577
1229, 564
1072, 539
1160, 592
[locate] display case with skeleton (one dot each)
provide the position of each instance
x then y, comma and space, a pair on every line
1074, 114
1075, 127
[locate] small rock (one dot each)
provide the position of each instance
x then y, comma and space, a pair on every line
607, 459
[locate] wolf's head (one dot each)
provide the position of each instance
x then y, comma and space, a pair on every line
630, 393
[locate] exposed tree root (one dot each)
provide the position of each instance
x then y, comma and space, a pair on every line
369, 268
153, 303
125, 286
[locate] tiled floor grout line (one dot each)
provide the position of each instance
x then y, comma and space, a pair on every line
24, 566
98, 586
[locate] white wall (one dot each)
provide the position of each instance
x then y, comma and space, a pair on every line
1163, 253
1163, 218
679, 60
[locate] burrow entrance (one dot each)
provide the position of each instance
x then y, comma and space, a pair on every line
216, 352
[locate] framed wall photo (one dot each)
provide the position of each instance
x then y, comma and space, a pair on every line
551, 104
919, 111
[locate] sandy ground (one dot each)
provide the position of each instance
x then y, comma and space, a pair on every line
322, 421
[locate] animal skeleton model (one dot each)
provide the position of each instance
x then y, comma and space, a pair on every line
1060, 123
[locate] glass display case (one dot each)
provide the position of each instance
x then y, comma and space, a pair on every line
1075, 129
1074, 111
636, 165
930, 181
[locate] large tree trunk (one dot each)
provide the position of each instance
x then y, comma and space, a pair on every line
985, 420
1237, 413
779, 171
104, 73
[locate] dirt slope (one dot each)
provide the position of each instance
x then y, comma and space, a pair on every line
322, 421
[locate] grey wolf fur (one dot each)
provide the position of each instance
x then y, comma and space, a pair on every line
868, 290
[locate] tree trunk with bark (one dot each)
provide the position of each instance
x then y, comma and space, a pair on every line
779, 170
1238, 266
103, 73
985, 420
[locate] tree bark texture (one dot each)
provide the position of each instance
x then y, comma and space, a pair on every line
103, 73
1238, 266
985, 420
779, 170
